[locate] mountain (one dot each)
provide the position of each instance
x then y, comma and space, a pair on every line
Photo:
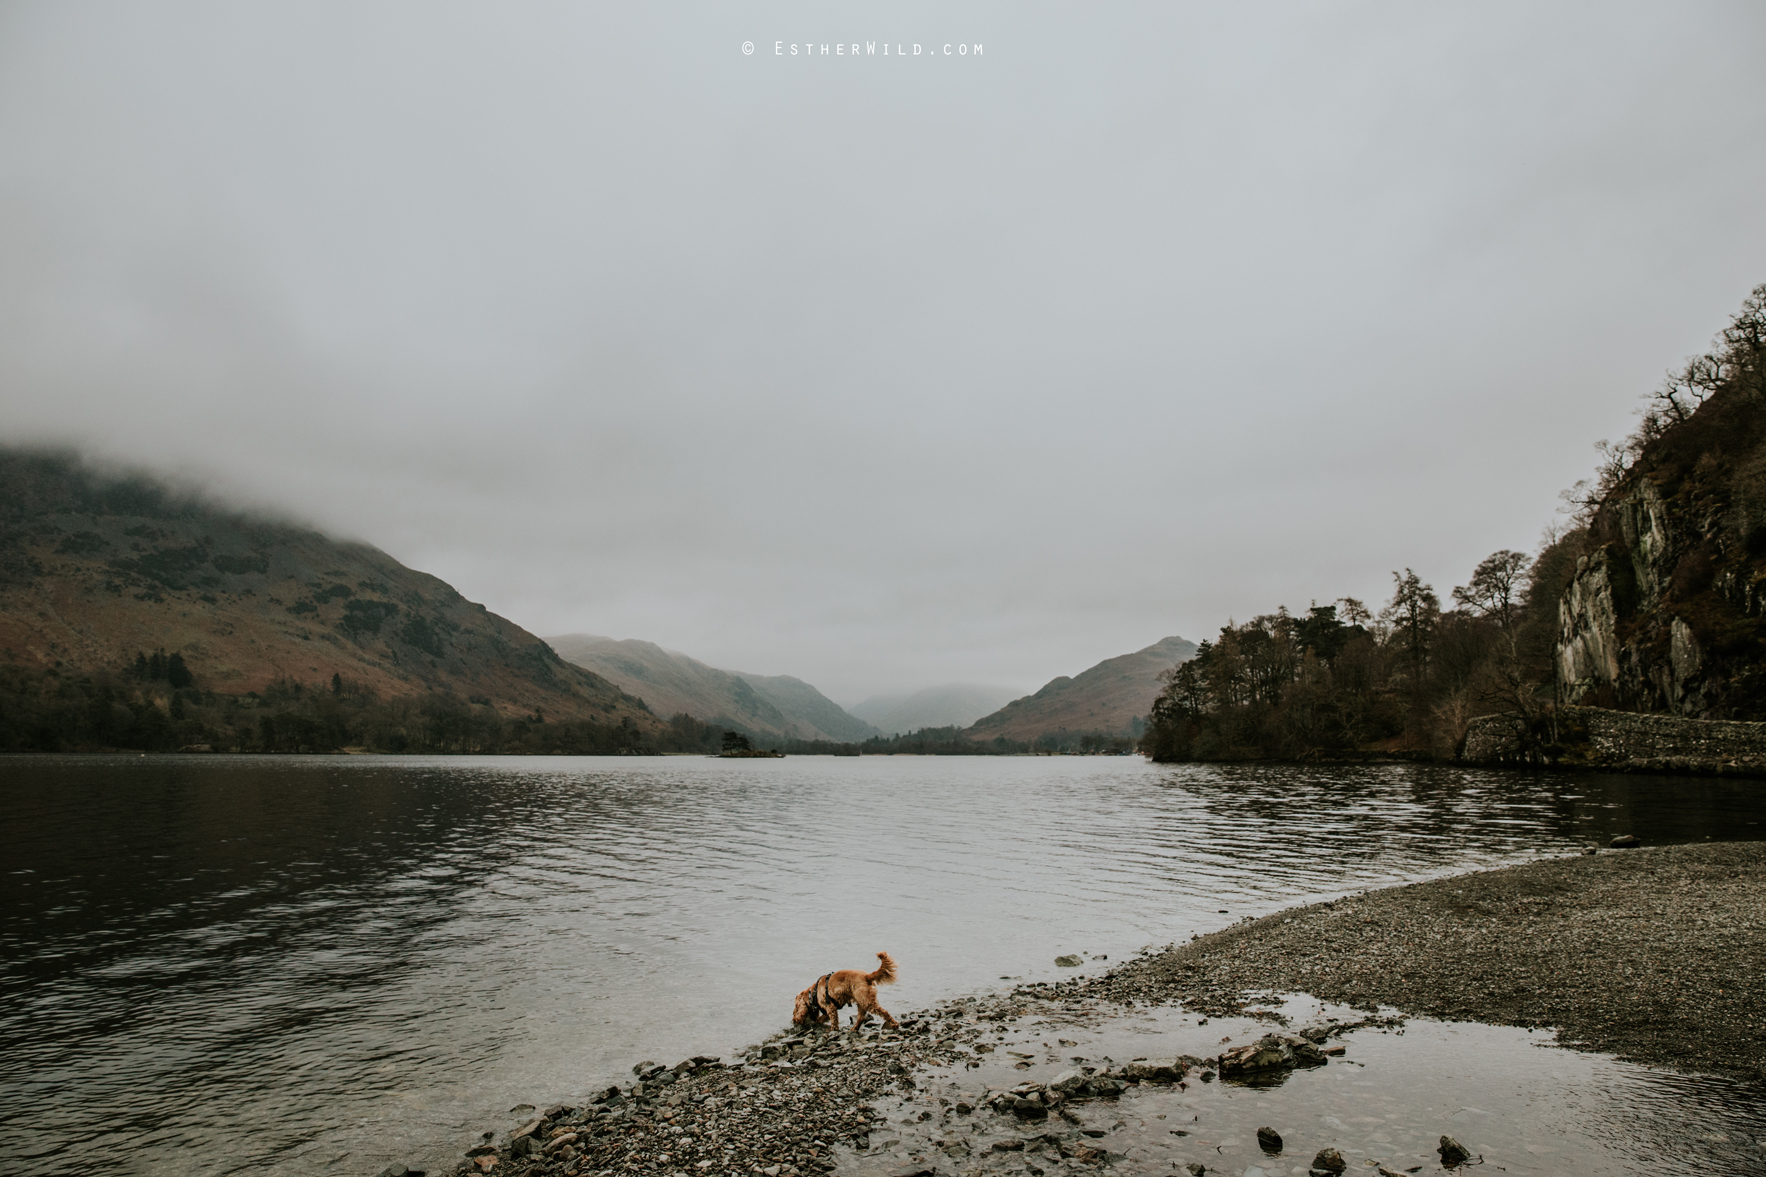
1110, 697
671, 683
96, 569
803, 704
1664, 605
953, 705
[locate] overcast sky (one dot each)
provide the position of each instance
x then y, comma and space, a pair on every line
880, 370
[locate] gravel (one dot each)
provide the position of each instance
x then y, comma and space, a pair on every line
1653, 955
780, 1111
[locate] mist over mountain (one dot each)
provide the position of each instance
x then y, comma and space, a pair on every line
110, 577
671, 683
1112, 697
951, 705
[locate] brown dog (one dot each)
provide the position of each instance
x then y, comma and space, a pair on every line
823, 1001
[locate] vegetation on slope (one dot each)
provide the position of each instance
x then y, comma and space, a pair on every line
1652, 600
250, 619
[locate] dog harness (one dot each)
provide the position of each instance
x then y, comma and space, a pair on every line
824, 999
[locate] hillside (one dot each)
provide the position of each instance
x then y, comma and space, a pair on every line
96, 570
952, 705
1111, 697
1664, 608
808, 707
672, 684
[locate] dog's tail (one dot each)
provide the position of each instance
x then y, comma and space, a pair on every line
885, 974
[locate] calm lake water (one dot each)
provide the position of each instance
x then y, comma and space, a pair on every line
323, 964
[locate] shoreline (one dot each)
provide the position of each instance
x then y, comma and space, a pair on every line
1651, 955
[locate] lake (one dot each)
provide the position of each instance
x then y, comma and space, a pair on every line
223, 964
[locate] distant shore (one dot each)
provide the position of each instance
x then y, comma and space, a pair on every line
1652, 954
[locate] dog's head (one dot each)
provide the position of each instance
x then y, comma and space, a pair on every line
808, 1010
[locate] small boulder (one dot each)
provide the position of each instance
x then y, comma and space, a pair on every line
1308, 1055
1266, 1054
1625, 842
1452, 1152
1068, 1082
1269, 1140
1329, 1160
1069, 961
1196, 1170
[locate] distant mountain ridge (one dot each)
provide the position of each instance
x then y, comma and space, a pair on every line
951, 705
1110, 697
96, 568
671, 683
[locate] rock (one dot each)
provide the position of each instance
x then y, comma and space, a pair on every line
1308, 1055
482, 1150
1329, 1160
485, 1164
1068, 1082
1269, 1140
1069, 961
527, 1129
1268, 1053
1625, 842
1335, 1051
1196, 1170
1008, 1145
395, 1171
1452, 1152
1152, 1072
917, 1169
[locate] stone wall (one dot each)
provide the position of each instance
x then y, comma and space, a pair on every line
1625, 741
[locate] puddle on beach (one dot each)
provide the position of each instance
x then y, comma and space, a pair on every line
1521, 1104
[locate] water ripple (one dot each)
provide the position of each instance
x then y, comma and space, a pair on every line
217, 964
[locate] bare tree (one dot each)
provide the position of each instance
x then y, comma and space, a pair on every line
1495, 590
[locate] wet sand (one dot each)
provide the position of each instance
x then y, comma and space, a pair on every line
1654, 954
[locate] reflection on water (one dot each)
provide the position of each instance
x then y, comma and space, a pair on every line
216, 964
1527, 1110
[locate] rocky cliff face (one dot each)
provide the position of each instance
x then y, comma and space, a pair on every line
1667, 608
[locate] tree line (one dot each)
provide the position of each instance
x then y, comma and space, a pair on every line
1340, 680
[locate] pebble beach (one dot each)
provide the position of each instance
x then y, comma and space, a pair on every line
1652, 955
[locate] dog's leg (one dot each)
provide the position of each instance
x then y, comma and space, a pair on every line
887, 1019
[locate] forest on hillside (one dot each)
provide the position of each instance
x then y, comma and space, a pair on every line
1345, 679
